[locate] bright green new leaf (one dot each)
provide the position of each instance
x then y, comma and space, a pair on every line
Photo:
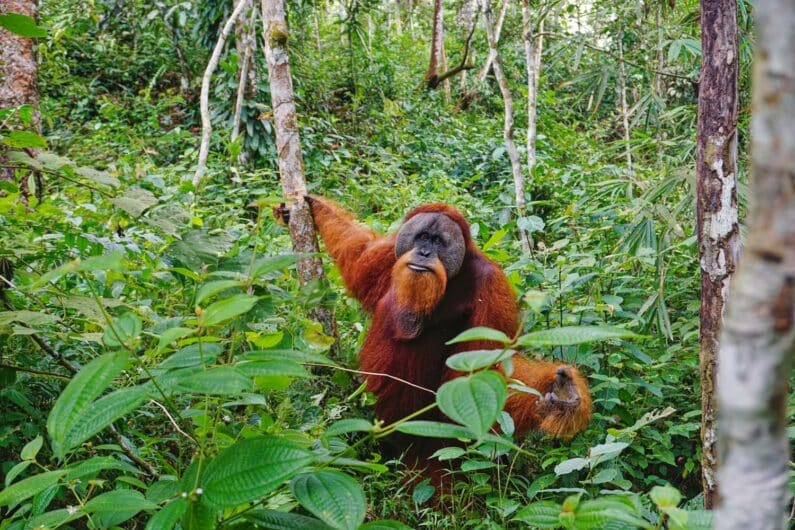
119, 501
22, 25
226, 309
23, 139
474, 401
436, 429
219, 381
541, 514
213, 288
568, 335
29, 487
480, 333
469, 361
31, 449
80, 394
665, 496
333, 497
252, 468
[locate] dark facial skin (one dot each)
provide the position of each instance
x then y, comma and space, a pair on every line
432, 236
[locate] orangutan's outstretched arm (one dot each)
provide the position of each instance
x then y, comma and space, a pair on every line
363, 257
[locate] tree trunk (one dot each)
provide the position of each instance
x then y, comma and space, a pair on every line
507, 132
658, 79
288, 148
532, 51
622, 93
437, 41
716, 210
19, 69
204, 98
246, 42
758, 337
497, 33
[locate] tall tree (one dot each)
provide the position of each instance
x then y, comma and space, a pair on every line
716, 209
437, 42
288, 149
507, 130
19, 68
758, 338
533, 45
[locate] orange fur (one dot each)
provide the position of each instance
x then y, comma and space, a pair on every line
419, 292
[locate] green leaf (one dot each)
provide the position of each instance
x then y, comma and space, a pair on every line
172, 334
226, 309
568, 335
119, 501
102, 413
604, 452
252, 468
29, 318
469, 361
475, 400
29, 487
384, 524
287, 355
596, 514
123, 331
275, 520
80, 394
435, 429
113, 261
572, 464
542, 514
93, 466
23, 139
219, 381
55, 518
22, 25
349, 425
481, 333
31, 448
286, 368
273, 263
193, 355
212, 288
333, 497
168, 516
665, 496
14, 472
135, 201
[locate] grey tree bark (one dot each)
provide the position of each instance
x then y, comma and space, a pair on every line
533, 45
246, 44
716, 206
758, 337
288, 148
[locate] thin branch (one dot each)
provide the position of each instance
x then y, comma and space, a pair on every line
388, 376
204, 100
35, 372
435, 81
173, 421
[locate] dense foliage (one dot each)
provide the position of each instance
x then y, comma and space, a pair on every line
158, 366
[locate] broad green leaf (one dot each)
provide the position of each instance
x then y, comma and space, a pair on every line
596, 514
608, 451
572, 464
481, 333
123, 331
422, 492
22, 25
226, 309
287, 368
113, 261
135, 201
333, 497
384, 524
273, 263
80, 394
172, 334
168, 516
541, 514
436, 429
469, 361
252, 468
102, 413
16, 470
275, 520
93, 466
213, 288
568, 335
449, 453
23, 139
348, 425
475, 400
31, 449
29, 318
193, 355
219, 380
55, 518
665, 496
119, 501
26, 488
287, 355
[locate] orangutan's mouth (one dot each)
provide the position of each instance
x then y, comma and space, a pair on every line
419, 268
